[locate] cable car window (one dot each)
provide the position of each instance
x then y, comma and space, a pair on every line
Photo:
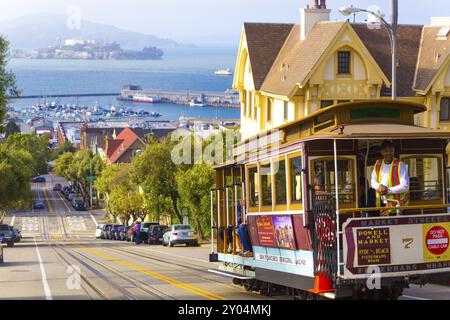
266, 185
324, 178
295, 171
280, 182
425, 177
254, 186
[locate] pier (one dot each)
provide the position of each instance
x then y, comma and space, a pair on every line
227, 99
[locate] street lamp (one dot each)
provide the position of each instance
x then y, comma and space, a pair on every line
392, 28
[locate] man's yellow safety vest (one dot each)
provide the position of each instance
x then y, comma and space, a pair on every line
393, 180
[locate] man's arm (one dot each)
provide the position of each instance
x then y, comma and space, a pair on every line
404, 181
374, 183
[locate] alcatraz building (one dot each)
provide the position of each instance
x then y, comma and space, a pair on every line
287, 71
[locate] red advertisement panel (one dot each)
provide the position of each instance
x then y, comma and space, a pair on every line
266, 237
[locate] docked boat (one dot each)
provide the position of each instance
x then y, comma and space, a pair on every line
196, 103
142, 98
226, 72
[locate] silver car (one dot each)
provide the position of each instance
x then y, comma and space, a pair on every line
180, 234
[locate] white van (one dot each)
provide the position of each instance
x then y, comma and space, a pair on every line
98, 231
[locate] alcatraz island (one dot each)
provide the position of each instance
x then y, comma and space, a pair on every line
89, 50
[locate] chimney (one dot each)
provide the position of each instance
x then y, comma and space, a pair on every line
309, 16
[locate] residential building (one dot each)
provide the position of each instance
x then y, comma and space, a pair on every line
285, 72
122, 148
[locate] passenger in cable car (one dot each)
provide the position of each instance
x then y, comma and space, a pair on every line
390, 179
242, 232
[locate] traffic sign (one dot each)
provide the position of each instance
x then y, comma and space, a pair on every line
91, 178
437, 240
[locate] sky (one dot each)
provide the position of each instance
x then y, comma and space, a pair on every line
194, 20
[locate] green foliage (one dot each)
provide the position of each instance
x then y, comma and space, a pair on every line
124, 200
8, 88
15, 173
76, 167
36, 146
194, 187
155, 172
61, 149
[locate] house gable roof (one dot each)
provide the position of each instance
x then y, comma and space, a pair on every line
127, 138
433, 54
264, 42
297, 58
378, 43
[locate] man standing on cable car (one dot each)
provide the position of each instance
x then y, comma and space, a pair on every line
390, 180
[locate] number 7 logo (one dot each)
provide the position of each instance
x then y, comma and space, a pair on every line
407, 242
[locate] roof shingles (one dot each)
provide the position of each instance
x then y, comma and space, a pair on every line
433, 53
126, 138
264, 41
297, 58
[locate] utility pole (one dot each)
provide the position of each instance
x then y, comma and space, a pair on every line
394, 27
90, 180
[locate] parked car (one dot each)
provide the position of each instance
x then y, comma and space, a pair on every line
75, 199
38, 204
39, 179
6, 235
180, 234
155, 234
145, 226
114, 233
79, 205
98, 231
123, 233
57, 187
17, 234
105, 230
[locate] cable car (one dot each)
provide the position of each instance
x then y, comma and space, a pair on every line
293, 211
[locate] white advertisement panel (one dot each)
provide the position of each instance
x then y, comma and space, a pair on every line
397, 246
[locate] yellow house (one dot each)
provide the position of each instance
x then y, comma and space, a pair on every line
287, 71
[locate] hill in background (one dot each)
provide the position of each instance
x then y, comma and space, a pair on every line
43, 30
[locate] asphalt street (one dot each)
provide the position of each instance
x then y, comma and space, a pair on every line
59, 258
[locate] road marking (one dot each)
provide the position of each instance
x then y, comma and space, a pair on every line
95, 221
415, 298
48, 293
178, 256
50, 207
12, 221
158, 276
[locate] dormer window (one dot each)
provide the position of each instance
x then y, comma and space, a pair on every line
344, 62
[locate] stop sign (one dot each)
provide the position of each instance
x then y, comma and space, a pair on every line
437, 240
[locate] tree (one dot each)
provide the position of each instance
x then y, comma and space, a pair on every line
61, 149
15, 173
155, 172
194, 186
124, 199
77, 167
62, 164
11, 128
8, 88
36, 146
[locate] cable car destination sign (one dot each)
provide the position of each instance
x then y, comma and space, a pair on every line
396, 245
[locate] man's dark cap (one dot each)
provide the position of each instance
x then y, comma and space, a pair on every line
387, 144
